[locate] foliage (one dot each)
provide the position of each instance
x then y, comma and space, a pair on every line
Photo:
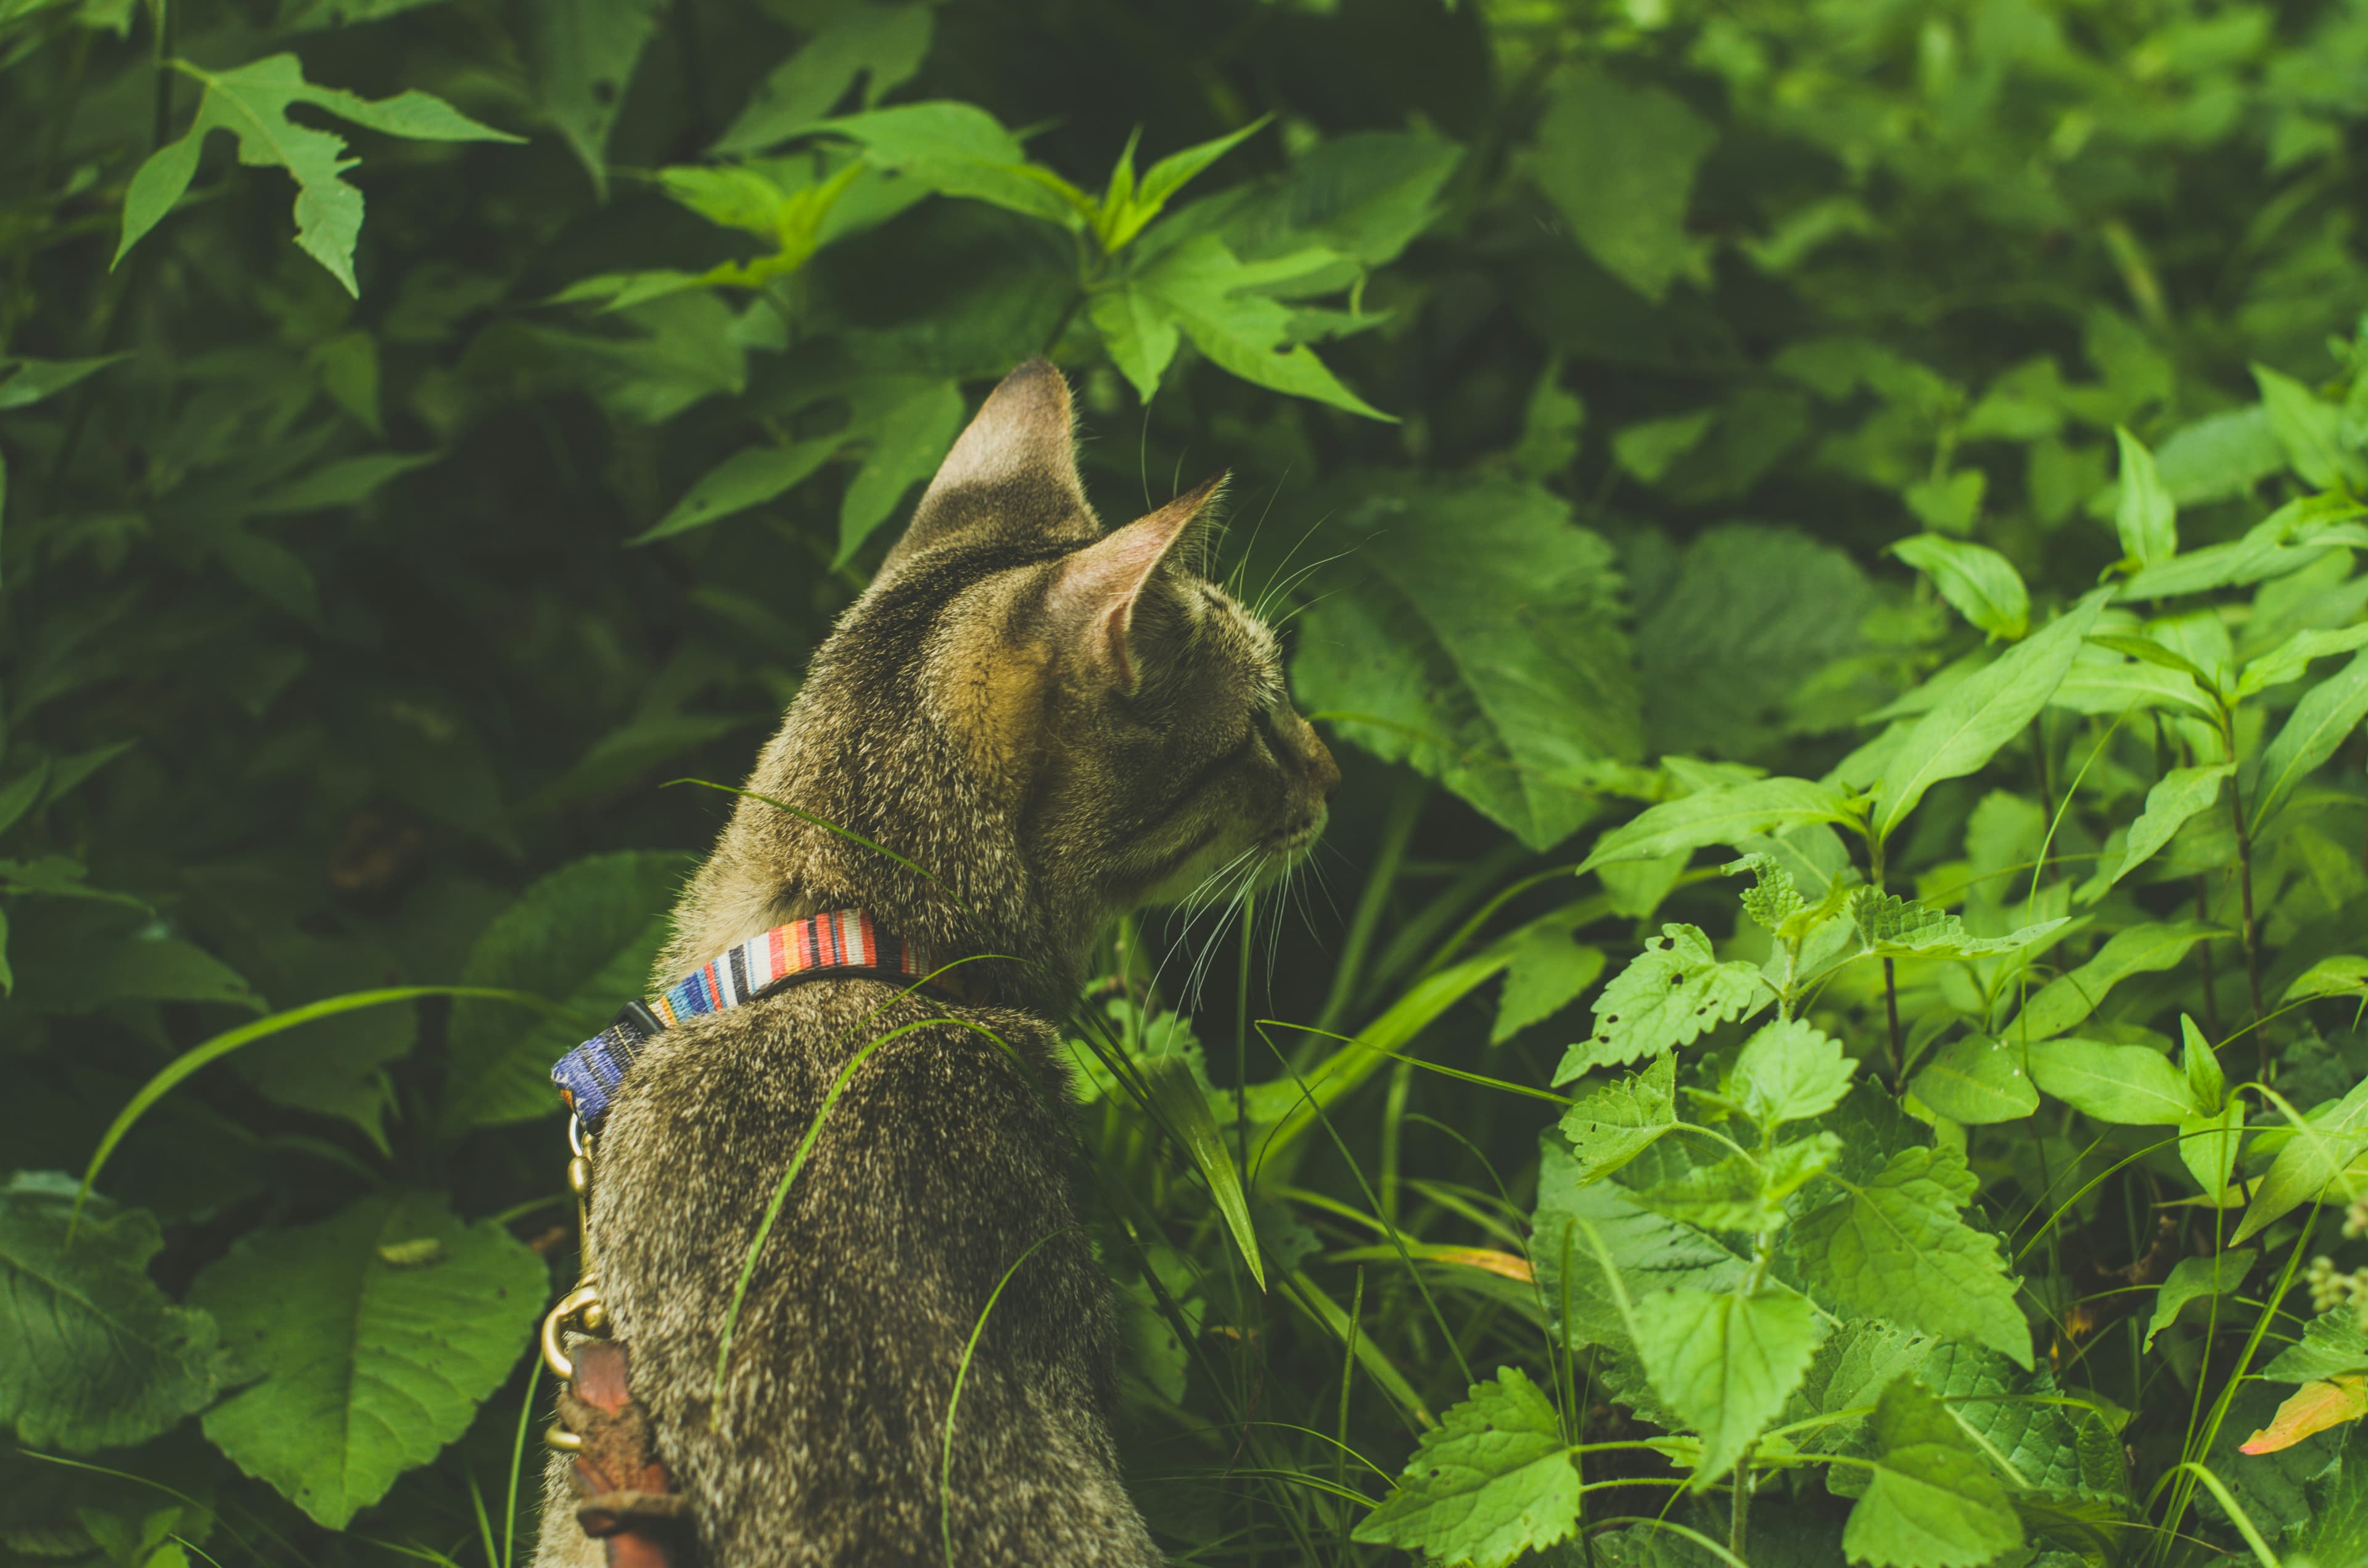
1826, 538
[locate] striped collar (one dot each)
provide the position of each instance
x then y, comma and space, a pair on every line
844, 944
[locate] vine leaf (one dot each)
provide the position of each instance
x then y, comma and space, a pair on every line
252, 103
1670, 995
370, 1365
1491, 1481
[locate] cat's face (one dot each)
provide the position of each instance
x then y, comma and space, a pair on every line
1129, 713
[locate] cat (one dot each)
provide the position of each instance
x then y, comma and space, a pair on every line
1053, 725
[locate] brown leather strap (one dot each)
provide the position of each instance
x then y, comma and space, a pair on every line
627, 1498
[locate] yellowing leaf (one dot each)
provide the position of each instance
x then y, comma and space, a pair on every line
2312, 1409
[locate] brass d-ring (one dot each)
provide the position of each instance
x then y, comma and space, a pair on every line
584, 1303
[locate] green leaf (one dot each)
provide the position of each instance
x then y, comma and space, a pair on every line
92, 1354
1213, 298
1651, 446
2288, 660
2307, 429
2208, 1146
2144, 516
24, 382
1719, 816
2038, 1436
1789, 1072
1726, 1363
1139, 332
1618, 163
1122, 216
1179, 1096
1931, 1501
885, 45
1742, 1193
910, 432
1646, 1251
2319, 1152
1618, 1121
2325, 716
743, 480
1891, 926
1982, 585
2179, 795
581, 56
2279, 543
2127, 1085
2138, 949
1893, 1248
2196, 1279
251, 103
2332, 1344
1670, 995
369, 1367
1980, 714
1491, 1481
1473, 633
2341, 974
1977, 1080
586, 936
1549, 970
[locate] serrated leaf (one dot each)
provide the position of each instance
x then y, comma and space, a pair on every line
2038, 1437
1789, 1072
92, 1354
1213, 298
2313, 1408
2332, 1344
586, 936
2195, 1278
1618, 1121
2127, 1085
1670, 995
1982, 585
1977, 1080
1726, 1363
1719, 816
1931, 1501
1891, 926
1548, 972
2138, 949
2176, 796
1773, 898
741, 480
1649, 1250
1893, 1248
369, 1367
2143, 515
1981, 713
1491, 1481
2319, 1152
2321, 721
1742, 1193
2290, 658
251, 102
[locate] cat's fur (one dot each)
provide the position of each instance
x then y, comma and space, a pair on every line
1058, 724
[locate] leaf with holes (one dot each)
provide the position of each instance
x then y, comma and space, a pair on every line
1618, 1121
1670, 994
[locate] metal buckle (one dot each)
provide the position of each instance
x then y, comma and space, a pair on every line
580, 1309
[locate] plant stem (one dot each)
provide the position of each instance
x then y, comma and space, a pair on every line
1738, 1520
1890, 981
2252, 951
2203, 957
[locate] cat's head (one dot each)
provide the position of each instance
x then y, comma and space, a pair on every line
1055, 722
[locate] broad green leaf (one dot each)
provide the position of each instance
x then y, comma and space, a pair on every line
743, 480
2321, 721
1891, 926
1980, 714
2307, 429
1618, 163
1647, 1250
2038, 1436
1931, 1500
1670, 994
2206, 1080
2208, 1146
909, 433
1364, 196
2139, 950
2130, 1084
1726, 1363
2288, 660
251, 102
1719, 816
1491, 1483
2342, 975
24, 382
1549, 970
1893, 1248
1982, 585
1789, 1072
1742, 1193
583, 55
1212, 298
2319, 1154
885, 45
1140, 333
1650, 447
1179, 1096
92, 1354
585, 937
2197, 1279
2104, 680
1977, 1081
2332, 1344
960, 150
1618, 1121
370, 1367
2279, 543
2144, 516
2176, 796
1474, 632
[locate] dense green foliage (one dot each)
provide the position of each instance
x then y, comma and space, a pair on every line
1824, 535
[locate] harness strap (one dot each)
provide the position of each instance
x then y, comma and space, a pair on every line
628, 1500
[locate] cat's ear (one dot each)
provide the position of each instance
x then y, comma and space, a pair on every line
1012, 473
1101, 587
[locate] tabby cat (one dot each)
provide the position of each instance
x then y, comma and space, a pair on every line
1056, 725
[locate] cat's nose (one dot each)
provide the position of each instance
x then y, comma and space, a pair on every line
1323, 773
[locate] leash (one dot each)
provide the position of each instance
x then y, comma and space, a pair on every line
626, 1499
